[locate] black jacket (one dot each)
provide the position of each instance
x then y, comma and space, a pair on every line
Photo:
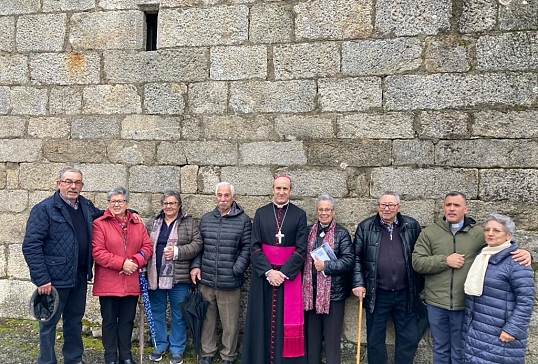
366, 242
225, 255
340, 269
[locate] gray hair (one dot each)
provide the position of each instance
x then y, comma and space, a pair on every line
326, 197
118, 191
69, 169
507, 223
390, 193
457, 193
169, 193
223, 184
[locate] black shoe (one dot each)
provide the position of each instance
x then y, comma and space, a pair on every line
206, 360
110, 362
227, 362
127, 361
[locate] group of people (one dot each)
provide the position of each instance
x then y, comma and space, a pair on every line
478, 289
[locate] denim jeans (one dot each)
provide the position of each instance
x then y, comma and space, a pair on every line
446, 327
391, 303
175, 342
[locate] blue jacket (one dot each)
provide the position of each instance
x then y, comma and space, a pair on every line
50, 247
506, 305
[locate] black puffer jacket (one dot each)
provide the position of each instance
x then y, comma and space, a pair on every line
366, 242
340, 269
225, 256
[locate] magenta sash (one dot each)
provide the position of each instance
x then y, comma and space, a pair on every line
293, 298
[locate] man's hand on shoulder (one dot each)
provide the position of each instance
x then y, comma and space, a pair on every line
522, 256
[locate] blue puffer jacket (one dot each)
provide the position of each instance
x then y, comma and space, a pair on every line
50, 246
506, 305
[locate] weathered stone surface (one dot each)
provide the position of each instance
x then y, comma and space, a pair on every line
293, 127
37, 196
197, 205
67, 5
48, 128
16, 267
171, 153
209, 153
271, 23
189, 179
84, 151
19, 6
44, 176
412, 17
131, 152
208, 97
20, 150
273, 153
218, 25
150, 127
508, 51
478, 16
123, 4
154, 179
4, 99
339, 19
498, 124
65, 68
314, 182
165, 98
65, 100
350, 94
208, 178
7, 33
440, 91
448, 53
518, 15
375, 126
252, 181
43, 32
235, 127
380, 57
14, 226
238, 62
413, 152
12, 126
107, 30
111, 99
486, 153
306, 60
28, 100
103, 177
14, 298
3, 265
521, 212
424, 183
13, 200
95, 127
13, 69
191, 127
190, 64
346, 152
519, 185
279, 96
446, 125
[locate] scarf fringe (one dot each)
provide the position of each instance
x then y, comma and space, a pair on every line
293, 341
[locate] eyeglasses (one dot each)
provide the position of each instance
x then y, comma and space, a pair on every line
170, 204
495, 231
391, 206
117, 202
69, 182
326, 210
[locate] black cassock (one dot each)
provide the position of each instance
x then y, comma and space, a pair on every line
262, 343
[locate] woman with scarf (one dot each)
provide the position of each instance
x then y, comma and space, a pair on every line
176, 241
120, 246
500, 299
326, 284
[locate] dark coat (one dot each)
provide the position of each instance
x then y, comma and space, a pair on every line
340, 270
366, 243
225, 255
506, 304
50, 245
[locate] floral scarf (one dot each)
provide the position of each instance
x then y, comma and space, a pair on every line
323, 286
166, 275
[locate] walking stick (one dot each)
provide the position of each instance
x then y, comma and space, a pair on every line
359, 333
141, 330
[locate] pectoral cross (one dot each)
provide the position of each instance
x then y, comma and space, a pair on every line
279, 236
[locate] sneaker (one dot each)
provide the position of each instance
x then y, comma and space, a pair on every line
206, 360
176, 359
156, 355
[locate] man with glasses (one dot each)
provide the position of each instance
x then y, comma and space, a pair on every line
57, 249
383, 276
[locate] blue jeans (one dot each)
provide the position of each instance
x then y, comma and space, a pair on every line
446, 327
178, 329
391, 303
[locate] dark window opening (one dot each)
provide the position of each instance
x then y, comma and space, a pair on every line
151, 31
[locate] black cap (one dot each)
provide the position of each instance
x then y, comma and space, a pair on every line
44, 306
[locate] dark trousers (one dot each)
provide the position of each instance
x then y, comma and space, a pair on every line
327, 328
394, 304
118, 319
446, 327
71, 309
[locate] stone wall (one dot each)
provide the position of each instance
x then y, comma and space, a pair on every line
350, 97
